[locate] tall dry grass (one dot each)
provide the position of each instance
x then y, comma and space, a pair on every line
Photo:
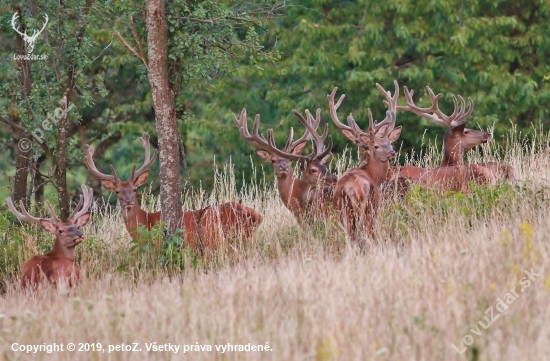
438, 264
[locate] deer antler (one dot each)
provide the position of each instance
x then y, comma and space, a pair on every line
25, 216
86, 197
375, 127
255, 138
13, 19
43, 27
311, 128
334, 107
391, 102
89, 162
148, 160
458, 116
259, 140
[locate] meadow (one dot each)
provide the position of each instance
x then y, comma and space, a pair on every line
444, 270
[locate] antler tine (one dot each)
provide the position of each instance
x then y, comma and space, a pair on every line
334, 107
470, 109
391, 102
327, 150
282, 153
88, 197
89, 162
46, 23
52, 211
13, 19
25, 216
77, 207
255, 138
422, 112
318, 140
308, 134
148, 161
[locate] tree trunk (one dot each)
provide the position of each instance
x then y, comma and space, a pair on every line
23, 139
61, 163
63, 123
38, 181
165, 114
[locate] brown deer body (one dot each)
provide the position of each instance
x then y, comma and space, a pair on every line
58, 265
288, 185
317, 182
357, 194
205, 229
452, 173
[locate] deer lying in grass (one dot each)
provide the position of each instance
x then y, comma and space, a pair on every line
356, 196
317, 182
206, 229
452, 173
287, 184
58, 265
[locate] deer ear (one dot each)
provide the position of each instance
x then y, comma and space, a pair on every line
395, 134
48, 226
108, 185
141, 179
348, 134
382, 131
459, 128
264, 155
299, 149
83, 220
325, 158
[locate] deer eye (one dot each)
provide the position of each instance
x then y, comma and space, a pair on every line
116, 192
60, 231
135, 189
376, 146
466, 132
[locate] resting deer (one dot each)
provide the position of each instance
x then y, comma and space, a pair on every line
317, 182
456, 141
356, 196
287, 184
206, 229
58, 265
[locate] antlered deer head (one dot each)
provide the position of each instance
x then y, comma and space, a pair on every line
29, 40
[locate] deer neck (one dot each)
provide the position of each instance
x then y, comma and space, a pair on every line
133, 218
452, 153
289, 188
59, 251
376, 169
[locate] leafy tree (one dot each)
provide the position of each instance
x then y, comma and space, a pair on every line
493, 51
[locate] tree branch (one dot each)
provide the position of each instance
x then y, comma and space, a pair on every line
130, 48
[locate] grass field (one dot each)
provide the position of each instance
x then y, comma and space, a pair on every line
440, 265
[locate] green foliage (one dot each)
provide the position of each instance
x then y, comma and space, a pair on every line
171, 255
494, 52
472, 208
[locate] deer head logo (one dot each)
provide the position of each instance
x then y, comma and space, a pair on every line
29, 40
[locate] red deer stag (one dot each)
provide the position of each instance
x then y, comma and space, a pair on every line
317, 182
356, 196
287, 184
206, 229
452, 173
57, 266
